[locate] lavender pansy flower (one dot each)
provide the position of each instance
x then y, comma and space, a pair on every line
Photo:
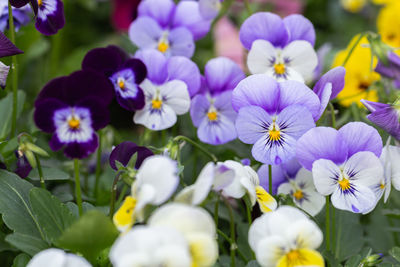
273, 115
385, 116
211, 110
392, 70
124, 151
72, 108
344, 163
281, 48
22, 16
124, 74
169, 28
322, 53
209, 9
170, 83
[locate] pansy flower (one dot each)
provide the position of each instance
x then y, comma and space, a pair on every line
344, 164
124, 74
7, 48
390, 158
211, 110
281, 48
124, 12
273, 115
72, 108
21, 16
286, 237
49, 14
123, 152
170, 83
57, 258
209, 9
392, 70
169, 28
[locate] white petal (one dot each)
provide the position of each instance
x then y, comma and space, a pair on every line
176, 96
203, 184
235, 189
250, 188
172, 256
302, 57
49, 257
204, 249
293, 75
146, 194
395, 160
324, 172
362, 200
366, 167
304, 234
260, 56
149, 89
185, 196
73, 260
155, 120
270, 250
223, 177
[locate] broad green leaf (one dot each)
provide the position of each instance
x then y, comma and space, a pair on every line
49, 174
354, 261
253, 264
15, 206
90, 235
21, 260
5, 112
53, 216
4, 246
74, 208
395, 253
27, 243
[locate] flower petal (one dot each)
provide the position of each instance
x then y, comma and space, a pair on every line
160, 10
182, 43
176, 96
363, 200
181, 68
325, 174
156, 64
299, 28
260, 56
252, 123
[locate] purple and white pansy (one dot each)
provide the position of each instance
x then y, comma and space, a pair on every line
345, 164
167, 27
72, 108
211, 110
124, 73
169, 85
281, 48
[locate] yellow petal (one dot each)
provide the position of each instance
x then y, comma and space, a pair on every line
203, 249
266, 202
124, 218
388, 23
301, 257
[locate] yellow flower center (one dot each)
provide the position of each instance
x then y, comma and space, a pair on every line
212, 115
293, 256
163, 46
124, 217
40, 3
301, 257
382, 186
121, 84
74, 123
156, 104
298, 194
274, 134
280, 68
344, 184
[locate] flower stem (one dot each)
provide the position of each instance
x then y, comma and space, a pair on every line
270, 179
98, 166
333, 228
233, 234
248, 7
352, 49
248, 209
40, 171
327, 225
216, 207
199, 147
78, 186
333, 117
113, 194
14, 74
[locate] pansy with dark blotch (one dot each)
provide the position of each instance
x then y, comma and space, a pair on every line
124, 73
72, 108
49, 14
22, 16
211, 110
168, 27
23, 167
390, 70
7, 48
124, 152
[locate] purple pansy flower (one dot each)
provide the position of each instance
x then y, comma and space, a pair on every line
7, 48
23, 167
169, 28
281, 48
124, 151
392, 70
170, 83
385, 116
211, 110
345, 164
49, 14
72, 108
209, 9
273, 115
124, 74
22, 16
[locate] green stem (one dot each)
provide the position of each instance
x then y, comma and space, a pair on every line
121, 195
98, 166
14, 74
248, 209
333, 117
352, 49
216, 208
327, 225
78, 186
248, 7
333, 227
233, 234
113, 194
55, 54
199, 147
241, 254
40, 171
270, 179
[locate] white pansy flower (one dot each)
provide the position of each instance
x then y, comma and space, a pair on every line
57, 258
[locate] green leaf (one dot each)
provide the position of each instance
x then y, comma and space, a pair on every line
253, 264
90, 235
354, 261
21, 260
53, 216
15, 206
27, 243
4, 246
49, 174
5, 114
395, 253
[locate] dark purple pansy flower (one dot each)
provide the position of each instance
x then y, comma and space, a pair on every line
22, 16
211, 110
385, 116
49, 14
124, 74
23, 167
7, 48
392, 70
124, 152
72, 108
169, 28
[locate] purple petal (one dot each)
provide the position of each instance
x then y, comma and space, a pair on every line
322, 52
388, 119
335, 77
156, 65
374, 106
187, 14
361, 137
81, 150
222, 74
18, 3
392, 70
55, 143
251, 124
223, 103
159, 10
291, 168
198, 109
145, 32
132, 103
23, 167
52, 22
258, 90
218, 132
99, 113
137, 67
182, 68
105, 60
124, 151
265, 26
321, 143
182, 43
296, 120
278, 177
7, 48
44, 112
299, 28
324, 99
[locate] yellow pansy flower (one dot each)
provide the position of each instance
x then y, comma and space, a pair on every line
388, 24
353, 6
